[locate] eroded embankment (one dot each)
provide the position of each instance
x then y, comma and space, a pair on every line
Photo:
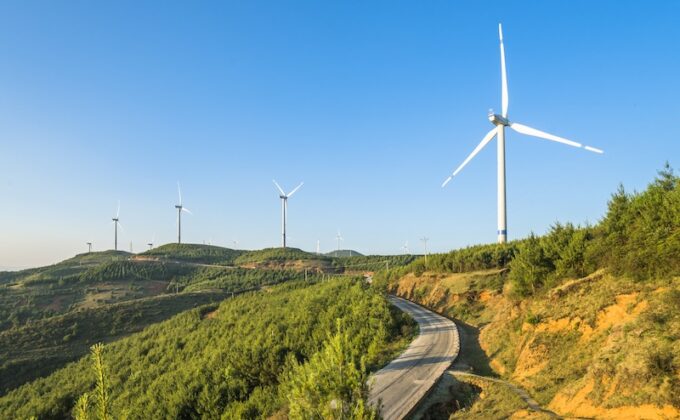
599, 346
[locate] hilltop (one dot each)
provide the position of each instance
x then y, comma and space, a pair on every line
344, 253
194, 253
586, 319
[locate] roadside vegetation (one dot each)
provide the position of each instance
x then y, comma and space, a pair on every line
253, 356
586, 318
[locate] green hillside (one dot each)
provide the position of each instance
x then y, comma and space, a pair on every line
343, 253
194, 253
50, 316
43, 346
587, 319
240, 360
362, 263
277, 255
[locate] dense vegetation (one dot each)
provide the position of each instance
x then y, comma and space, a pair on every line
195, 253
239, 360
277, 255
40, 347
359, 263
238, 279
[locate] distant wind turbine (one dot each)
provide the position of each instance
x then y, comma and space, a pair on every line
284, 208
89, 247
338, 238
424, 240
500, 122
116, 223
405, 248
150, 244
180, 208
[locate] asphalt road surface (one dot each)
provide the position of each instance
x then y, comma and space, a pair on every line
400, 385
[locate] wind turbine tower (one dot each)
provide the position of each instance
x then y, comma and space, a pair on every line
338, 238
500, 121
89, 247
284, 209
180, 208
116, 222
424, 240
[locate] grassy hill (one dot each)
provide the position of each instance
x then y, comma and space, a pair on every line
285, 258
343, 253
194, 253
587, 319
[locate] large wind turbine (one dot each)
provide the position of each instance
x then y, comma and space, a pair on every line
116, 223
500, 122
284, 208
180, 208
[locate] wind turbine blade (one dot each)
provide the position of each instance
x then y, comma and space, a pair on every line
296, 188
186, 210
593, 149
489, 136
520, 128
118, 211
179, 192
279, 187
120, 226
504, 76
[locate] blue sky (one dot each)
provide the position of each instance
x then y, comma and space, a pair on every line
372, 104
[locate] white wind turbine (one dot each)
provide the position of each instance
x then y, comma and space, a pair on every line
405, 248
180, 208
116, 223
284, 208
500, 122
338, 238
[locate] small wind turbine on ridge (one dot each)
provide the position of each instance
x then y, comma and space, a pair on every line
338, 238
180, 208
405, 248
284, 209
500, 122
116, 223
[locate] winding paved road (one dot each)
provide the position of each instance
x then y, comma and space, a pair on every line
400, 385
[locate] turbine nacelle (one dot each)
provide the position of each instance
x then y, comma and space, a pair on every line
497, 119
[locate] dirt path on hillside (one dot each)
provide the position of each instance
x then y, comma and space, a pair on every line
473, 362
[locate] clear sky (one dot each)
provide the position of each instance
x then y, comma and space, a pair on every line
371, 104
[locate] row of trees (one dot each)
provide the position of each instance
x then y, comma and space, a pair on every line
639, 237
